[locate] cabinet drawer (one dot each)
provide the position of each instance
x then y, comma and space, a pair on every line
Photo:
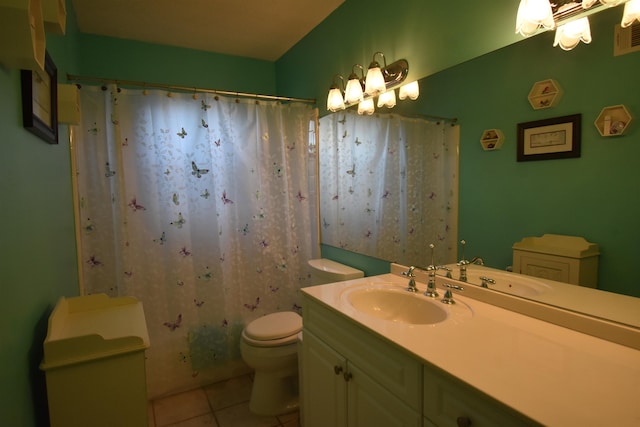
389, 366
447, 399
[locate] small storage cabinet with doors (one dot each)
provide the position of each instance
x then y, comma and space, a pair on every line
352, 378
568, 259
94, 362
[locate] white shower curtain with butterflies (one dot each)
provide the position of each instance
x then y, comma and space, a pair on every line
202, 208
391, 186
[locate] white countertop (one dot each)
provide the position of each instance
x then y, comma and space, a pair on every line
553, 375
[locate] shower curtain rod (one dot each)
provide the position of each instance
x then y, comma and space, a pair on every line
75, 78
452, 120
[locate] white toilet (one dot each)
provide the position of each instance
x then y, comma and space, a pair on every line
269, 346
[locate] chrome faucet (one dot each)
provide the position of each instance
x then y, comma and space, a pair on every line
463, 264
431, 270
412, 281
476, 260
486, 281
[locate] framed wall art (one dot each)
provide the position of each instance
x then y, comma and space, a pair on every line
555, 138
40, 101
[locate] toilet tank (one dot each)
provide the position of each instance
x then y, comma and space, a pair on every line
327, 271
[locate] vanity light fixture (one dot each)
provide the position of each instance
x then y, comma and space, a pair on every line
568, 17
379, 82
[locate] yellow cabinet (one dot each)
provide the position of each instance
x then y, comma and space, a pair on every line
94, 362
22, 39
568, 259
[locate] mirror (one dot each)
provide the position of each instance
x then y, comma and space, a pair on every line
501, 200
389, 184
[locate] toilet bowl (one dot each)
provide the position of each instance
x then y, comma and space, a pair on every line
269, 347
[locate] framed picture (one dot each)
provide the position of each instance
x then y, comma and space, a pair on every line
40, 101
555, 138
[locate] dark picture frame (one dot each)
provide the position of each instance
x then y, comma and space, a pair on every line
40, 101
554, 138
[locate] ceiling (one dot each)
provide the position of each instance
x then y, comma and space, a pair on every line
261, 29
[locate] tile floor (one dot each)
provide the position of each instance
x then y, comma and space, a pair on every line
224, 404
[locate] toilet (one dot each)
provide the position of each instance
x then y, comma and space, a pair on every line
269, 346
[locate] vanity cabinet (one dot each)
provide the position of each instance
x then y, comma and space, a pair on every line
352, 378
450, 403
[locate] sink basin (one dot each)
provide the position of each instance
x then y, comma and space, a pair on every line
395, 304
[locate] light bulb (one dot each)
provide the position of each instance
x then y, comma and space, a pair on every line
366, 107
631, 13
533, 14
410, 90
353, 92
334, 100
374, 83
387, 99
569, 35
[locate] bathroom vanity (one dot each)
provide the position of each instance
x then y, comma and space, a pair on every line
372, 357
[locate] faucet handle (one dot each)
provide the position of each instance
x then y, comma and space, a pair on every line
486, 281
409, 272
448, 297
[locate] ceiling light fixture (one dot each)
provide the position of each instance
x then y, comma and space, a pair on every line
568, 17
379, 81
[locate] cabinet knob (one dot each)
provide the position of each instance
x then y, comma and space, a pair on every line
347, 376
337, 369
463, 421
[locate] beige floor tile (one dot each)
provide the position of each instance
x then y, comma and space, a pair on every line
229, 393
240, 416
207, 420
180, 407
290, 420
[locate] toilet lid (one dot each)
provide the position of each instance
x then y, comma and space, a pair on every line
274, 326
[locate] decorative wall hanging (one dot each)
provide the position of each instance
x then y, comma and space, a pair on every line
555, 138
544, 94
613, 120
40, 101
492, 139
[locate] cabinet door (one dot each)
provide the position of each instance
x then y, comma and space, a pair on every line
371, 405
324, 389
450, 403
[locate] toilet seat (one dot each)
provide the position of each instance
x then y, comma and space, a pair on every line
273, 330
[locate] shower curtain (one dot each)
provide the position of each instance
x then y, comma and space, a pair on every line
389, 186
202, 207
